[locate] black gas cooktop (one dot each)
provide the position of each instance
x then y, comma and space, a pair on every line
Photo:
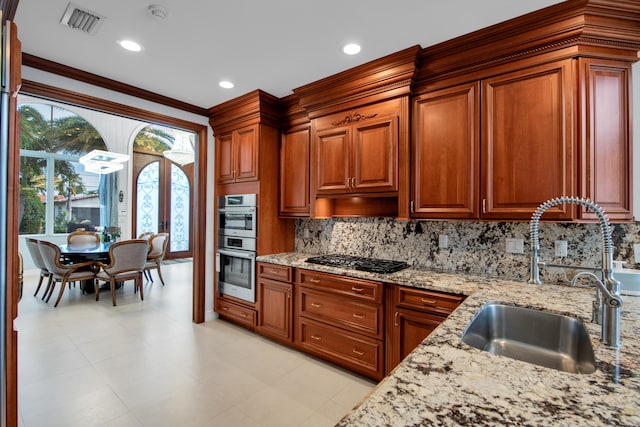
372, 265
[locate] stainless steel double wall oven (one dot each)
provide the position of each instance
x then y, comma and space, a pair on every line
235, 258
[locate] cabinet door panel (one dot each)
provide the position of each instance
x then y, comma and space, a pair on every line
606, 151
411, 328
224, 158
374, 162
294, 173
527, 141
247, 154
446, 153
332, 161
275, 314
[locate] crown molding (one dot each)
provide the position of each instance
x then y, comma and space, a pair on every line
32, 61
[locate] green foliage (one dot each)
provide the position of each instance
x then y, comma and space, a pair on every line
153, 139
33, 212
51, 130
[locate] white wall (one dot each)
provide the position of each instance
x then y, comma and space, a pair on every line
118, 139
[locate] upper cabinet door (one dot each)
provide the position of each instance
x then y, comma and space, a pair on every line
446, 153
605, 146
246, 142
332, 146
237, 155
224, 158
294, 173
374, 156
527, 143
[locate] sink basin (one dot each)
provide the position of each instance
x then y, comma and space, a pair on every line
535, 336
629, 281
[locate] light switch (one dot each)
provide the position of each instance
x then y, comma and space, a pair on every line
636, 252
515, 246
561, 248
443, 241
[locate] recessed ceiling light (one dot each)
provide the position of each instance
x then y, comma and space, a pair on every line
226, 84
130, 45
351, 49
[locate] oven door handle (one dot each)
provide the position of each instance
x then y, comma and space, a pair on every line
237, 254
237, 210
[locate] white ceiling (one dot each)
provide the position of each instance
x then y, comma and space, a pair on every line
273, 45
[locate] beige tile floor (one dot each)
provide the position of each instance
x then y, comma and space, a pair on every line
87, 363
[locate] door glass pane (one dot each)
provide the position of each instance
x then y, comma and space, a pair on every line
148, 188
180, 210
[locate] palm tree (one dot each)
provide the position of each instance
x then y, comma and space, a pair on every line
66, 134
153, 139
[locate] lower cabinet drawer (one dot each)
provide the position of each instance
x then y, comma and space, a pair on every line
352, 351
236, 313
342, 312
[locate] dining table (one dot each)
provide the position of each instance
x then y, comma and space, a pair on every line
81, 252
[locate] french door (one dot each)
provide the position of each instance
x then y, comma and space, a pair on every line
163, 201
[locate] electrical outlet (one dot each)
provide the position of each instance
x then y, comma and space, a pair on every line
561, 248
515, 246
443, 241
636, 253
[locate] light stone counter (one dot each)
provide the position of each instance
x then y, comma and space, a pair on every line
446, 382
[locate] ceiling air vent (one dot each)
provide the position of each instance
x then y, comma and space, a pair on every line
82, 20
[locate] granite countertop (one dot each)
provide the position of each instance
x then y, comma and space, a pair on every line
446, 382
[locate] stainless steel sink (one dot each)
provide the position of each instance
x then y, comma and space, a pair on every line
534, 336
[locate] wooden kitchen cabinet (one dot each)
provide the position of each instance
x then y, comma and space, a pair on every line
413, 315
357, 152
523, 156
341, 320
527, 141
274, 287
605, 144
294, 173
446, 153
237, 155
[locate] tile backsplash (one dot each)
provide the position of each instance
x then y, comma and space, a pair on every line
473, 247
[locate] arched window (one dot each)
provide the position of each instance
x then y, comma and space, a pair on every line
56, 194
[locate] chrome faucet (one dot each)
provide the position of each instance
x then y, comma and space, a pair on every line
606, 310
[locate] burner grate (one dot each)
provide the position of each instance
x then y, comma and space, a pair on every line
372, 265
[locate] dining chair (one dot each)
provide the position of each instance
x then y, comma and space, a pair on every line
83, 237
63, 273
157, 248
34, 251
146, 235
126, 262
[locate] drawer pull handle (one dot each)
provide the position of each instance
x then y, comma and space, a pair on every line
312, 280
359, 316
359, 353
316, 337
427, 301
395, 318
355, 289
273, 271
316, 305
243, 314
225, 309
